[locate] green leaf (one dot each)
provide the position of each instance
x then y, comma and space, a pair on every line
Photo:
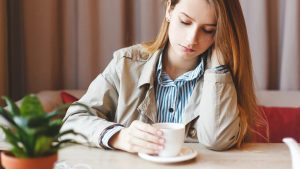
27, 139
64, 143
56, 122
55, 114
31, 106
11, 106
7, 116
37, 121
19, 152
43, 146
24, 126
10, 137
61, 110
21, 121
54, 127
14, 141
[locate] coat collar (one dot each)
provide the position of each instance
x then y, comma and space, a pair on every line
149, 70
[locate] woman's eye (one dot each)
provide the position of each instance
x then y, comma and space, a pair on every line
185, 23
208, 31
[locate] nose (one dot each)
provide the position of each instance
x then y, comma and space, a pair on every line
192, 37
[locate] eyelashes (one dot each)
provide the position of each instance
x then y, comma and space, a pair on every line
184, 23
208, 31
202, 29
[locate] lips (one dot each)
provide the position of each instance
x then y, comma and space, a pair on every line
187, 49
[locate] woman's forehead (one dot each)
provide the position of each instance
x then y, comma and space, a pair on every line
197, 10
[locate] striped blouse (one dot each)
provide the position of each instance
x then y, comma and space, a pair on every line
172, 96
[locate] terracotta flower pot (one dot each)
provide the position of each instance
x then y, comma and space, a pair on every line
11, 162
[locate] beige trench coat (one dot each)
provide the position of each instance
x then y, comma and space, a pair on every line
125, 92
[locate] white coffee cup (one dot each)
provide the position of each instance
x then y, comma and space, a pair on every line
173, 134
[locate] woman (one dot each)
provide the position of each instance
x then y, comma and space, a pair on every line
197, 72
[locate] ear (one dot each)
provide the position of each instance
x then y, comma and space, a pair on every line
168, 11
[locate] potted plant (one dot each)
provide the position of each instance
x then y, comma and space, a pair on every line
33, 134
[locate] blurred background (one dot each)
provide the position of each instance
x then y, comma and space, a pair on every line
65, 44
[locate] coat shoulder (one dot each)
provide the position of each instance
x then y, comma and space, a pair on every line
135, 52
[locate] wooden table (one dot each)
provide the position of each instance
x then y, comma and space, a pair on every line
250, 156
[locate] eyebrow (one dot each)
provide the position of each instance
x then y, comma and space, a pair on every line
209, 24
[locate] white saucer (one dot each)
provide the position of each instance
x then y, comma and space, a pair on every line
186, 153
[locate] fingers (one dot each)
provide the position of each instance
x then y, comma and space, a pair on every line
141, 137
147, 136
139, 145
147, 133
147, 128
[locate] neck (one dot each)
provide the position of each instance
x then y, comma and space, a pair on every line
175, 65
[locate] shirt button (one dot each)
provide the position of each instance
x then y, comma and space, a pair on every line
171, 110
192, 132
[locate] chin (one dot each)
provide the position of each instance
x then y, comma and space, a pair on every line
188, 56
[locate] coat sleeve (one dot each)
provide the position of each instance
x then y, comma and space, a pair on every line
101, 98
219, 124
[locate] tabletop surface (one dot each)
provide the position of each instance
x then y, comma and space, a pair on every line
252, 156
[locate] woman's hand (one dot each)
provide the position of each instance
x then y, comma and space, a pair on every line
139, 137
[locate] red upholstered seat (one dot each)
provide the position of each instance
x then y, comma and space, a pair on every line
283, 122
67, 98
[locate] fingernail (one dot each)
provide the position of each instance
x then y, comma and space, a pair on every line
161, 141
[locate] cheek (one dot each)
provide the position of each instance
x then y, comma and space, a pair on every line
205, 42
176, 32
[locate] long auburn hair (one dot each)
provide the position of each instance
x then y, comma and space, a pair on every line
231, 40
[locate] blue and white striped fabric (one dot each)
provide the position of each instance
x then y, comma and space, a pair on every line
172, 96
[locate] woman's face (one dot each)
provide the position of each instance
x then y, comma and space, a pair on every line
192, 28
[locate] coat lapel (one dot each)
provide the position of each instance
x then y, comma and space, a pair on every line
192, 108
147, 108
